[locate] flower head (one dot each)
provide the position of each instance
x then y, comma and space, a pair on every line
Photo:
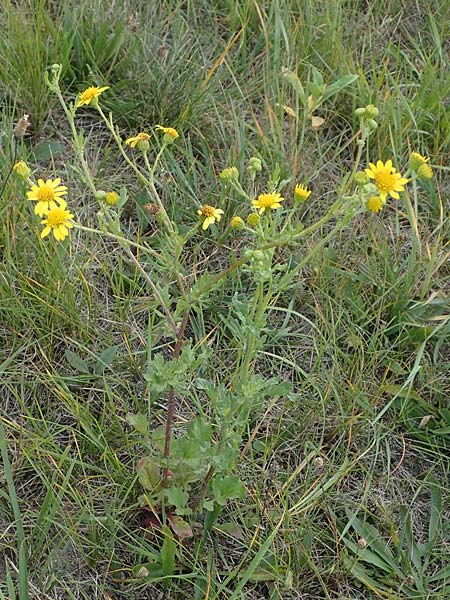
140, 140
111, 198
386, 178
301, 193
361, 178
46, 194
425, 172
229, 174
237, 223
22, 169
210, 215
416, 160
266, 201
90, 95
374, 204
253, 219
254, 165
170, 134
58, 221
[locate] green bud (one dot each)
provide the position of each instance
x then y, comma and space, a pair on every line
144, 145
360, 112
229, 174
361, 178
100, 194
425, 172
258, 255
372, 111
372, 124
253, 219
254, 165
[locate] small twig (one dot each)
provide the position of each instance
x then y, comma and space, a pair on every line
171, 403
155, 290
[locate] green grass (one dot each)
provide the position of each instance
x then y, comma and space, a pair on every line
362, 334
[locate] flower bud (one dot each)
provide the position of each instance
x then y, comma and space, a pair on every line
360, 112
144, 145
100, 194
416, 160
22, 169
258, 255
371, 111
237, 223
372, 124
229, 174
111, 198
425, 172
253, 219
361, 178
254, 165
374, 204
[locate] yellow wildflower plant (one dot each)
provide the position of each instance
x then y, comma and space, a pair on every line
170, 134
210, 215
137, 139
22, 169
46, 194
90, 95
111, 198
58, 220
268, 201
387, 179
301, 193
375, 204
237, 222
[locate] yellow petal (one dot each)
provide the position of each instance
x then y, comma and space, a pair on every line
395, 195
45, 231
57, 234
388, 164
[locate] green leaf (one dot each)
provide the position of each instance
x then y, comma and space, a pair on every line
176, 497
139, 422
76, 362
149, 475
227, 488
338, 85
105, 359
45, 151
168, 553
293, 79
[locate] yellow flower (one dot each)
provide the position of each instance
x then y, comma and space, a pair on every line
425, 172
301, 193
140, 137
46, 194
170, 134
111, 198
374, 204
210, 215
416, 160
266, 201
58, 221
387, 180
22, 169
90, 95
236, 222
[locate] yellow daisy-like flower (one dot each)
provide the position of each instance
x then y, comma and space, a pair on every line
387, 180
58, 221
46, 194
140, 137
90, 95
416, 160
22, 169
170, 134
375, 204
210, 215
266, 201
301, 193
237, 222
